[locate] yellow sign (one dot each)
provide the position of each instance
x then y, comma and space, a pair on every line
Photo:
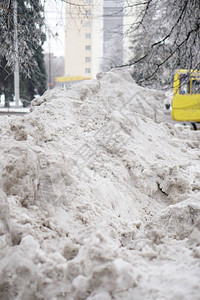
70, 78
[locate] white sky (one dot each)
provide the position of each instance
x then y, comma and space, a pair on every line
54, 13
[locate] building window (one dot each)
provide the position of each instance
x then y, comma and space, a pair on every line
87, 47
88, 24
87, 70
88, 1
88, 36
87, 59
87, 13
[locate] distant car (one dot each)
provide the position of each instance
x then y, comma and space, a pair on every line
25, 102
167, 101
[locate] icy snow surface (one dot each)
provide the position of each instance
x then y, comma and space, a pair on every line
99, 197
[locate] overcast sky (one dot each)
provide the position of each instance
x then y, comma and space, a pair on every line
55, 12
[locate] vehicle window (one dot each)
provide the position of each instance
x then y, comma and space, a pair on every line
196, 86
184, 84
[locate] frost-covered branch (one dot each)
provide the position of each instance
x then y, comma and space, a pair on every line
165, 37
30, 28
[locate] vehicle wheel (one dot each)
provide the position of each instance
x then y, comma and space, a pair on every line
194, 126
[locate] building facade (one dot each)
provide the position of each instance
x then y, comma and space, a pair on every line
94, 38
83, 43
113, 39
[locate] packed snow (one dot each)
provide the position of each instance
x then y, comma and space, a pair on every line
99, 197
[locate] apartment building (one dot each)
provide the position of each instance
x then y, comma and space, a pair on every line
94, 38
113, 39
132, 17
83, 38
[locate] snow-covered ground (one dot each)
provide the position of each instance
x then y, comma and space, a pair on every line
99, 197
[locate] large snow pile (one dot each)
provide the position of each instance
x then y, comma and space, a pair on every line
99, 197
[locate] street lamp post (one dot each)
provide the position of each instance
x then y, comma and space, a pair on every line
16, 49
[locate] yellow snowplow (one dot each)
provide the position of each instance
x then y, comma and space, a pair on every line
186, 96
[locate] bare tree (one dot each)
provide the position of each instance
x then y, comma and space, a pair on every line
30, 28
165, 36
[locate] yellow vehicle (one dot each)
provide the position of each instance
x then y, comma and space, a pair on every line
186, 96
